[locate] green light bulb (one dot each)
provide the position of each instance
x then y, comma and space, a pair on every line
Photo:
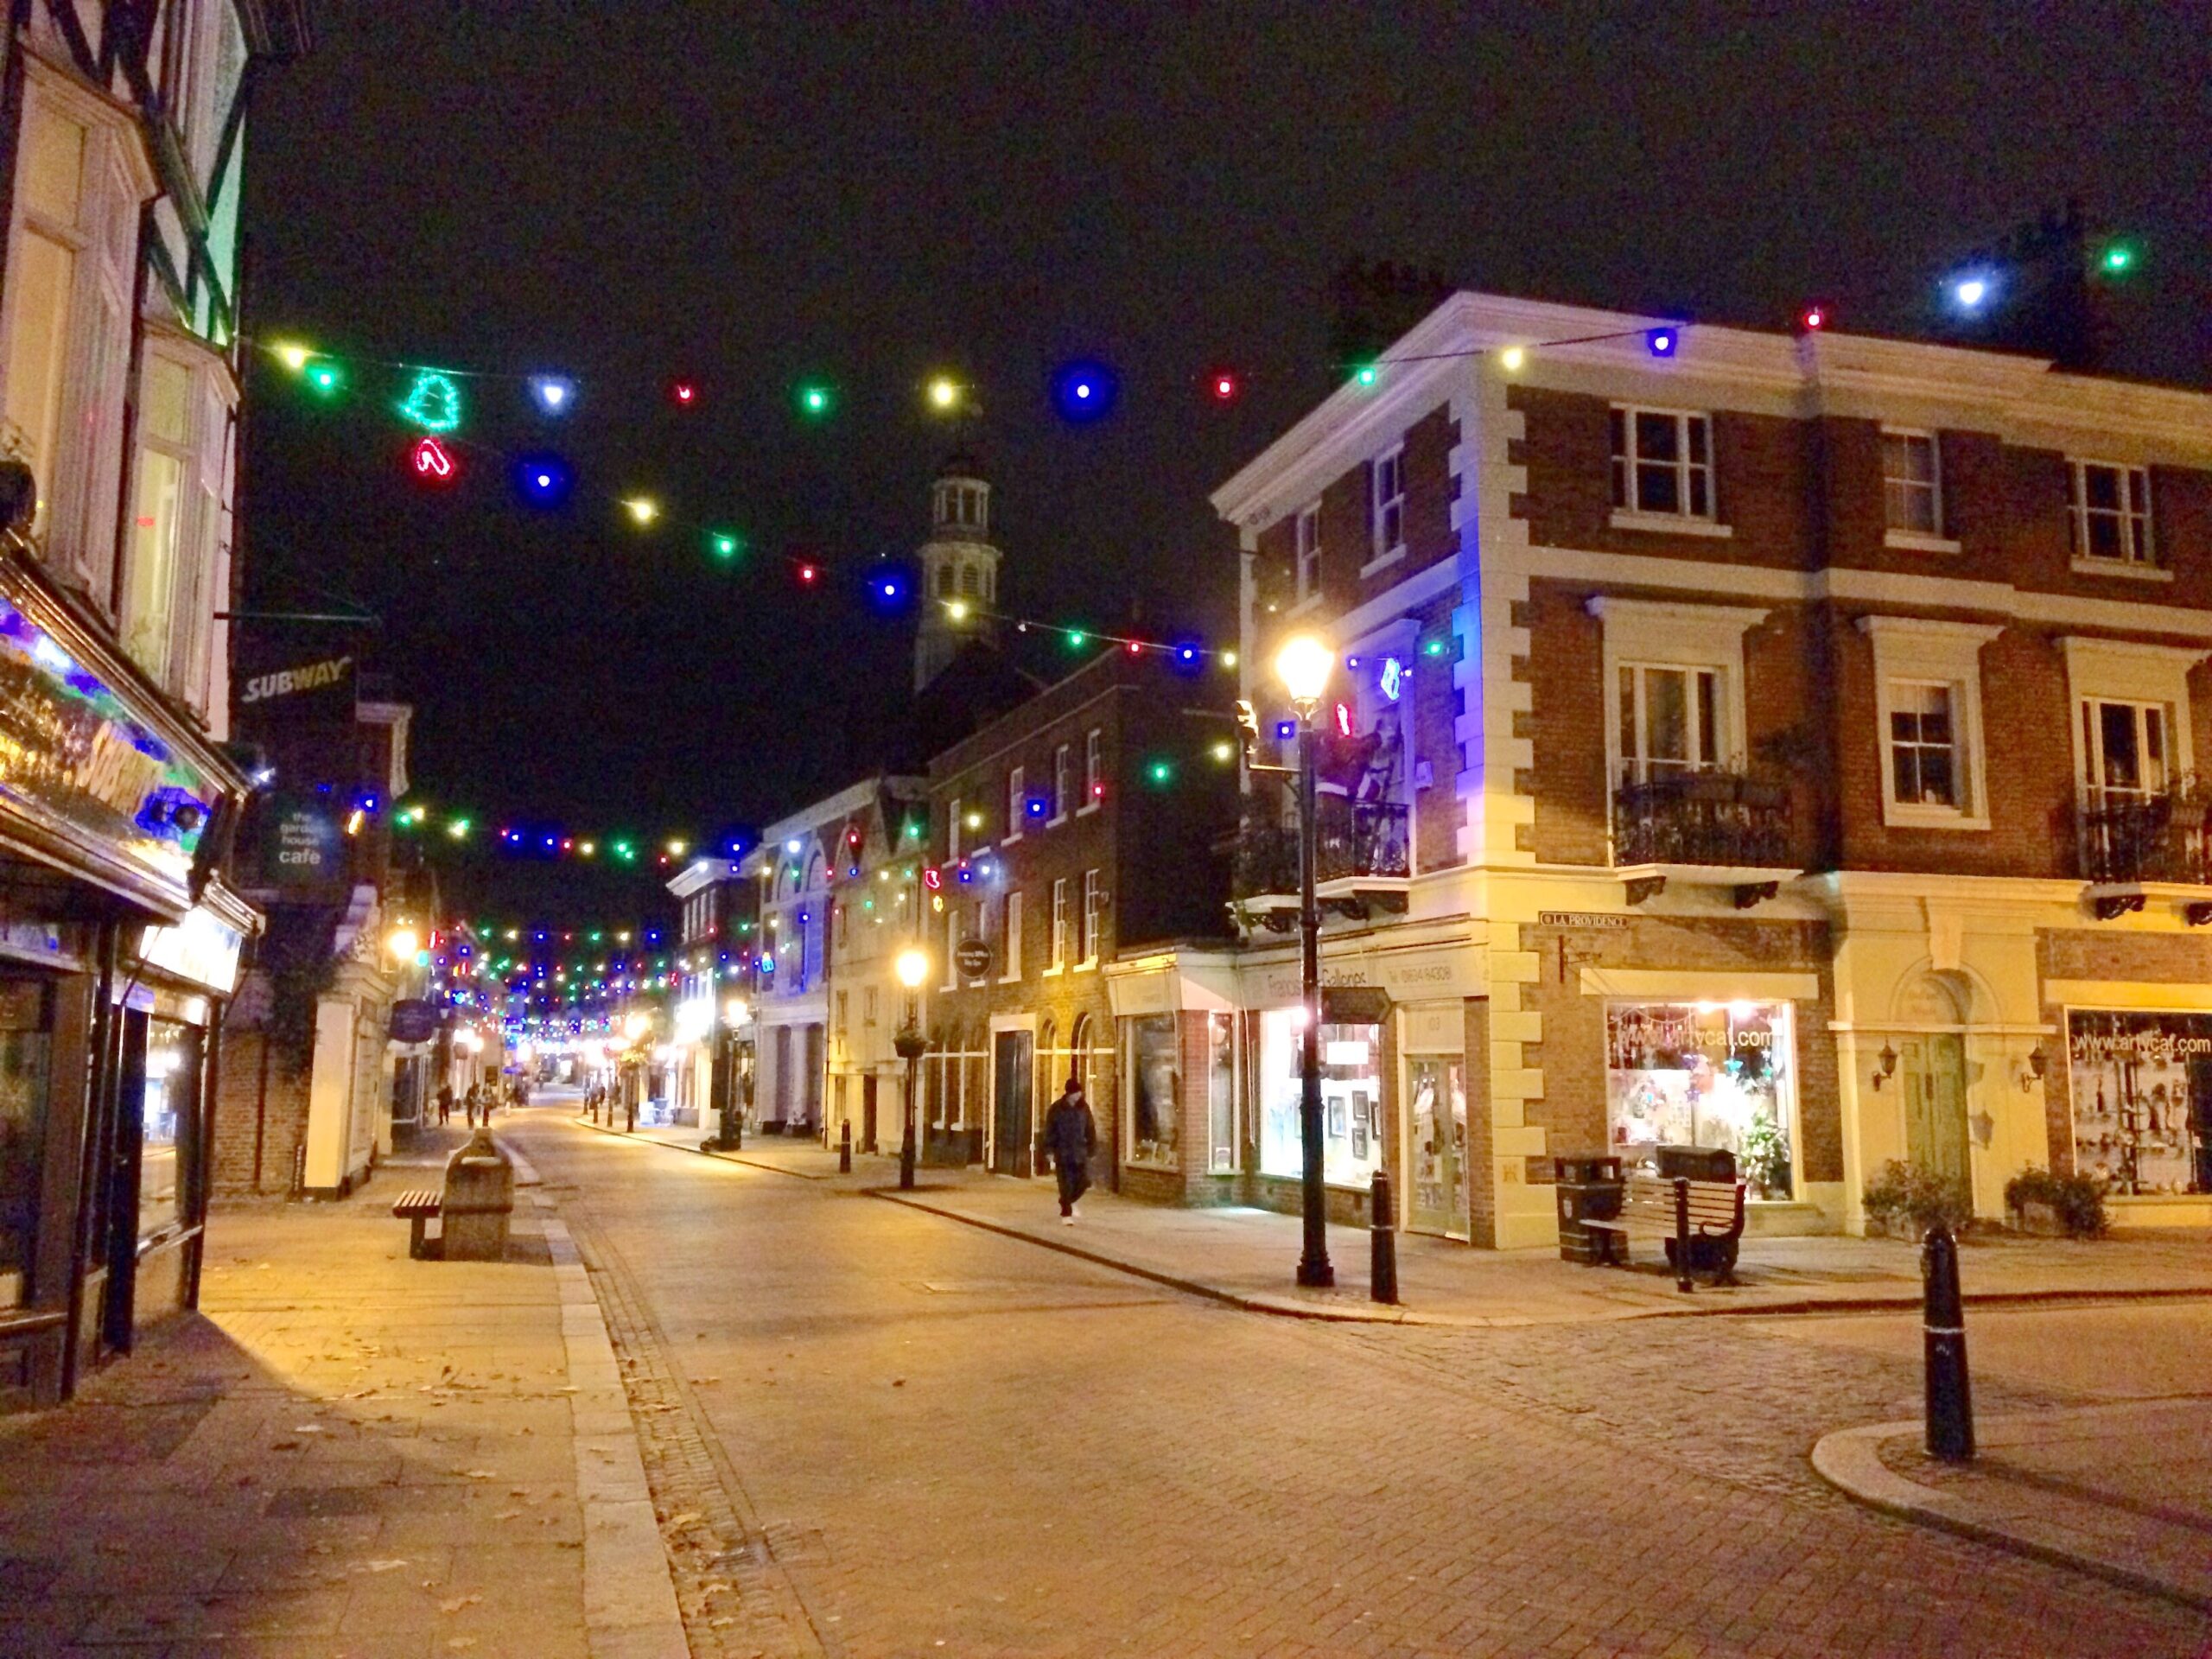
2119, 256
1077, 638
1367, 374
814, 400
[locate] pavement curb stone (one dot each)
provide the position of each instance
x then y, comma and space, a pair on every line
629, 1609
1850, 1460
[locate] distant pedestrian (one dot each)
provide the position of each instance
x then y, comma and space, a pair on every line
445, 1102
468, 1104
1071, 1135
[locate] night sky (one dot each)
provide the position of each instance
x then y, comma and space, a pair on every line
755, 195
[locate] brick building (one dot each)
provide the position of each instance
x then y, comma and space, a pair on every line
1080, 826
1780, 744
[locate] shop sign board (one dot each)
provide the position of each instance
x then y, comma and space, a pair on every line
1596, 921
283, 686
74, 749
2142, 1088
200, 948
303, 846
414, 1019
1427, 974
974, 958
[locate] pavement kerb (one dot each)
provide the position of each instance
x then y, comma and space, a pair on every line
630, 1607
1850, 1460
697, 1152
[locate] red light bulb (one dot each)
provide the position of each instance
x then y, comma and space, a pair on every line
1225, 387
807, 573
1136, 647
684, 391
1813, 318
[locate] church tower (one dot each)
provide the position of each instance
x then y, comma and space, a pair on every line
960, 568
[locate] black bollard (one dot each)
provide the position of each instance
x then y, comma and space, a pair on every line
1950, 1399
845, 1149
1383, 1240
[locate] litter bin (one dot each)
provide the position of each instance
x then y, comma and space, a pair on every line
1589, 1190
1700, 1164
477, 1201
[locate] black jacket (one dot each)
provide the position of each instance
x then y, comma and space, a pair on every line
1070, 1132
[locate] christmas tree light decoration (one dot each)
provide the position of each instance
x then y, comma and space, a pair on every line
956, 609
1084, 390
1432, 648
1077, 639
433, 402
1968, 292
1661, 342
293, 358
809, 573
726, 544
1228, 659
816, 400
589, 849
642, 509
1223, 386
2118, 258
1813, 319
458, 829
327, 378
1224, 752
684, 391
1159, 773
1511, 359
432, 464
1367, 374
554, 394
542, 479
944, 393
1135, 647
678, 849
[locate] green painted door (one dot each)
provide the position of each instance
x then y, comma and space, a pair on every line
1934, 1072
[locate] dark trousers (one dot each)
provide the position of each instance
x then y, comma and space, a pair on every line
1075, 1181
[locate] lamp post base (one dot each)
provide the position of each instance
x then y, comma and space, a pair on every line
1317, 1275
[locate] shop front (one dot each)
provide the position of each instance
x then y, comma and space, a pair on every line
1716, 1075
113, 814
2141, 1085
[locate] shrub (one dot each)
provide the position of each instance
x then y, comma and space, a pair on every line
2078, 1201
1920, 1196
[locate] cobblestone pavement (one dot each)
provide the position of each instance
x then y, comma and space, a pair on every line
930, 1440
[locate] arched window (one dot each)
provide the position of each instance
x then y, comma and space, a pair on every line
1085, 1059
968, 584
1050, 1069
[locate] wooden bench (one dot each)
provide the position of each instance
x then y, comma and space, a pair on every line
418, 1209
1680, 1211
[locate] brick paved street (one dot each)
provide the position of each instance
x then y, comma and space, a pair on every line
942, 1441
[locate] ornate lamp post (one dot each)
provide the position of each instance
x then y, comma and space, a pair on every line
1304, 665
913, 966
731, 1135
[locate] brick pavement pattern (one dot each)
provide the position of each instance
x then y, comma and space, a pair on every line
958, 1443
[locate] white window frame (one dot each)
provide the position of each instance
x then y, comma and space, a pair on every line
2125, 671
80, 484
1063, 774
953, 832
1386, 498
2137, 536
1305, 554
1094, 911
1010, 933
1016, 802
1629, 512
1906, 536
1650, 634
1060, 926
1094, 768
1913, 649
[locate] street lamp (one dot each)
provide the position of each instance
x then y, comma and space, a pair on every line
730, 1133
1304, 665
913, 967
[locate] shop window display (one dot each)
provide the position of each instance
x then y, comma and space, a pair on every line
1154, 1070
1704, 1074
1221, 1091
1351, 1100
2142, 1086
24, 1036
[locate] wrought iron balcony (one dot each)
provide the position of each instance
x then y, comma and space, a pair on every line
1355, 841
2128, 839
1715, 818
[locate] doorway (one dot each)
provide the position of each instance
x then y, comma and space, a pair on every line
1932, 1071
1013, 1053
868, 1113
1437, 1145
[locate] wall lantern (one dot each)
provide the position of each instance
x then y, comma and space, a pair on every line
1886, 1066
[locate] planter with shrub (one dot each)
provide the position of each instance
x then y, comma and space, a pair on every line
2056, 1206
1903, 1202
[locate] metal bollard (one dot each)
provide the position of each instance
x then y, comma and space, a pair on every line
845, 1149
1950, 1399
1383, 1240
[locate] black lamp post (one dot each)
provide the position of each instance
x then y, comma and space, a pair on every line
1304, 665
913, 967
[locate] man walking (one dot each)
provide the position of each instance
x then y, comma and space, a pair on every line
1071, 1135
445, 1102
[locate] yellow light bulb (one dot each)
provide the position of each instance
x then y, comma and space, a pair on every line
944, 393
956, 609
293, 358
643, 508
1513, 357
